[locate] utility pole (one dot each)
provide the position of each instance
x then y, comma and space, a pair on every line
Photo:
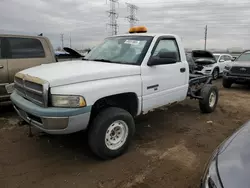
205, 47
132, 10
113, 15
62, 40
70, 40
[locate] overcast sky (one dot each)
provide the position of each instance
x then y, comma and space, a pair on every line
228, 20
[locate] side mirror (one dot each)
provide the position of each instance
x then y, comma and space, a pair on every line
163, 58
222, 60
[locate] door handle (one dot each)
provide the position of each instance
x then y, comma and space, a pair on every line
1, 66
183, 69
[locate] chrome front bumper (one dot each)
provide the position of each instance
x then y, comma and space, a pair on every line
51, 120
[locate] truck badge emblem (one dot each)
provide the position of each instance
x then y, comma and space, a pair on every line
243, 69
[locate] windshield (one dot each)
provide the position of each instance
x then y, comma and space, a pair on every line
121, 49
216, 57
244, 57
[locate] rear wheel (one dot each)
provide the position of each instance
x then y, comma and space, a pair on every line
210, 96
226, 83
215, 74
111, 132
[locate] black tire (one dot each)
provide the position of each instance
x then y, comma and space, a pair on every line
226, 83
99, 127
204, 103
215, 74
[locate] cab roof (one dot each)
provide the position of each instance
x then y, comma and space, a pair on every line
145, 34
220, 54
21, 36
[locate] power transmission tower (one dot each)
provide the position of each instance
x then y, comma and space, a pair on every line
205, 47
132, 10
113, 16
62, 40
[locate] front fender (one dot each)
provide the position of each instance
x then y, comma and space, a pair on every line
95, 90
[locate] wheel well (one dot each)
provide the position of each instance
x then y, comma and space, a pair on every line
126, 101
217, 68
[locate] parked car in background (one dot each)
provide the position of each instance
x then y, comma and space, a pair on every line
210, 64
234, 57
237, 72
18, 53
69, 54
228, 166
190, 61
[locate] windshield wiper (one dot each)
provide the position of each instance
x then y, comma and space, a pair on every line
103, 60
108, 61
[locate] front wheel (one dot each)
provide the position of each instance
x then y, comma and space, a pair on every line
226, 83
111, 132
215, 74
210, 95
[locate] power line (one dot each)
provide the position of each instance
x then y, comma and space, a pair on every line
205, 38
113, 16
181, 2
131, 18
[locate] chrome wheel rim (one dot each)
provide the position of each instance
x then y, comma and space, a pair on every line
212, 99
116, 135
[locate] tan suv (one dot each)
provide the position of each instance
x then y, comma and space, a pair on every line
18, 53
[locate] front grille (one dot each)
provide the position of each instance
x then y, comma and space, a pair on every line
36, 92
240, 70
198, 67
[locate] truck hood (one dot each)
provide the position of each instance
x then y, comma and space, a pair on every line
203, 57
69, 72
240, 63
234, 159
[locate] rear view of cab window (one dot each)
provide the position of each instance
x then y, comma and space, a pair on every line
25, 48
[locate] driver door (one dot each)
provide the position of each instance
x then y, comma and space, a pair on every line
165, 83
221, 63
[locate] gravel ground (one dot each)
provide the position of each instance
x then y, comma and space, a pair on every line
170, 149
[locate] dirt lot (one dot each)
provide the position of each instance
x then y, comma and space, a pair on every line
170, 149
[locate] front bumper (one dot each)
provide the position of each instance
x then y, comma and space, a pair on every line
51, 120
203, 72
236, 78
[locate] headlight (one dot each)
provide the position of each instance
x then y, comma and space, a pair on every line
69, 101
227, 67
211, 177
209, 65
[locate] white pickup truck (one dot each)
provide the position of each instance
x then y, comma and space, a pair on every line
123, 77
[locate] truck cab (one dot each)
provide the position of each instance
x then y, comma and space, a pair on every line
123, 77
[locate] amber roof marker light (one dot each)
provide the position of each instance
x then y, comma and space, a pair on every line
138, 29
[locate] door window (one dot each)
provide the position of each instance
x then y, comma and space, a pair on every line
25, 48
167, 45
